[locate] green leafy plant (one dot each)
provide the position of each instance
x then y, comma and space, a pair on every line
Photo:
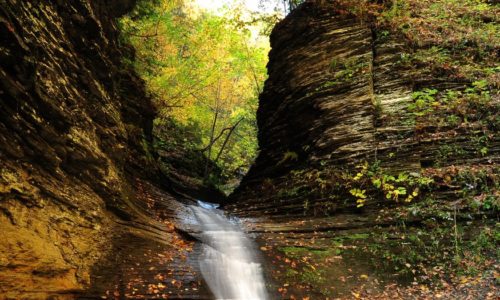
288, 156
424, 101
360, 195
404, 186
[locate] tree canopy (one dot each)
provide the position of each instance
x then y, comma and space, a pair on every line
205, 72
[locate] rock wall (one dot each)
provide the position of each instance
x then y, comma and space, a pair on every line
339, 93
74, 125
362, 141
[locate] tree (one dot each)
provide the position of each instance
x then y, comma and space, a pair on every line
205, 72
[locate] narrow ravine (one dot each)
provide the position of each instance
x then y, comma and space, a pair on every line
353, 147
228, 262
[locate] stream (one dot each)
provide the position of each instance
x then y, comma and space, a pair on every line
228, 260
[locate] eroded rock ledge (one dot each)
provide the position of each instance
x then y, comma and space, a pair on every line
74, 126
340, 94
351, 166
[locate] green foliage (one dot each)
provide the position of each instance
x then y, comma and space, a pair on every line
445, 38
205, 72
288, 156
455, 108
347, 68
309, 274
424, 100
344, 71
479, 188
398, 10
369, 182
404, 186
431, 253
360, 195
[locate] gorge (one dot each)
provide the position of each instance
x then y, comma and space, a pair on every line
376, 178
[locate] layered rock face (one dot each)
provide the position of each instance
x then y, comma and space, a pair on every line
363, 148
340, 94
74, 125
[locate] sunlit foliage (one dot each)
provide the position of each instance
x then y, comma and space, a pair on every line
205, 72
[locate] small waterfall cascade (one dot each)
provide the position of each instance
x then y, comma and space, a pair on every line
228, 259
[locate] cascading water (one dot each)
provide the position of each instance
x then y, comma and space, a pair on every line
228, 261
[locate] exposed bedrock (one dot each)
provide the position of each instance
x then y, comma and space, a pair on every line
339, 95
75, 127
347, 154
79, 191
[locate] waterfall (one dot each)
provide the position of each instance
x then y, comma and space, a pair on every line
228, 261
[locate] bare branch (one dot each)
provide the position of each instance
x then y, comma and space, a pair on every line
227, 139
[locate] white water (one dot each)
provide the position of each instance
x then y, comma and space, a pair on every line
228, 262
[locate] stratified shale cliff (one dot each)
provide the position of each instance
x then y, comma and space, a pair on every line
378, 135
74, 126
347, 96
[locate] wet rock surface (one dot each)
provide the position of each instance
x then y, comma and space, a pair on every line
152, 260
